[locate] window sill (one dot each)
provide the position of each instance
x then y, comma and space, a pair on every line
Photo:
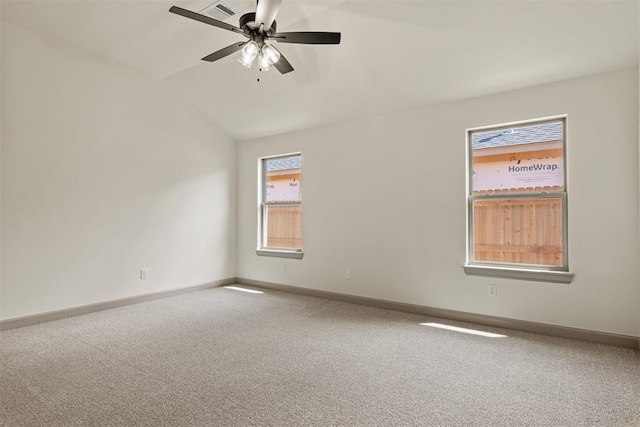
280, 253
519, 273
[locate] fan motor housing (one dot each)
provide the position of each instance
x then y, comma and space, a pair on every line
250, 17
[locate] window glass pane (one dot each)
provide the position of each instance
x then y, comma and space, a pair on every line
518, 231
283, 225
283, 176
518, 160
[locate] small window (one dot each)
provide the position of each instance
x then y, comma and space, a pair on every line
280, 222
517, 197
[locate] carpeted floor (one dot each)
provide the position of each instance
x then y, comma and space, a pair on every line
221, 357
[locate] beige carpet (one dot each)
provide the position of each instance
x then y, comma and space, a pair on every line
221, 357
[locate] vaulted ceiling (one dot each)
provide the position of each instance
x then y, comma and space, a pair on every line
394, 54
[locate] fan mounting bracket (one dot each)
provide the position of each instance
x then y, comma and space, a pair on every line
249, 25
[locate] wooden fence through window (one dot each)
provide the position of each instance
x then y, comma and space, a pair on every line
284, 226
519, 230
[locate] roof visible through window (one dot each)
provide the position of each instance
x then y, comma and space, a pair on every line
518, 135
283, 163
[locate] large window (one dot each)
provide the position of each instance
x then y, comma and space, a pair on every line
280, 217
517, 198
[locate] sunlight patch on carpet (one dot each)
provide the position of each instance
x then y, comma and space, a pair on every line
235, 288
465, 330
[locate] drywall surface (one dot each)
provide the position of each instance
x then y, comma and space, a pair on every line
105, 172
1, 156
385, 197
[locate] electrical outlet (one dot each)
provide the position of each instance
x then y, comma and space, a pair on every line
347, 273
144, 273
493, 290
283, 267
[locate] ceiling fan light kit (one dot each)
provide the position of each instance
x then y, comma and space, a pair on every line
259, 27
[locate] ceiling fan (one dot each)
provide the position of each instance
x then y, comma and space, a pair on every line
260, 27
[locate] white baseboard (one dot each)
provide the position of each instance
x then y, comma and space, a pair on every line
19, 322
481, 319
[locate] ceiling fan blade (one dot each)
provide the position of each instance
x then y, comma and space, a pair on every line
283, 65
224, 52
307, 37
266, 12
205, 19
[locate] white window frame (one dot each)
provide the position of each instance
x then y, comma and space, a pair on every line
262, 248
558, 274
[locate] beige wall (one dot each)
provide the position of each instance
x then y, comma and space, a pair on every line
104, 172
385, 197
1, 97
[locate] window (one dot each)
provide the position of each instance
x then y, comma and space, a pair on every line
280, 218
517, 201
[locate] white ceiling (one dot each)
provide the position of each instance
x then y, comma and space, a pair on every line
394, 54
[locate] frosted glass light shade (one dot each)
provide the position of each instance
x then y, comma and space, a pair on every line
249, 53
250, 50
270, 53
264, 63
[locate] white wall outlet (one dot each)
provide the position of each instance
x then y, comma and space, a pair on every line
144, 273
493, 290
283, 267
347, 273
